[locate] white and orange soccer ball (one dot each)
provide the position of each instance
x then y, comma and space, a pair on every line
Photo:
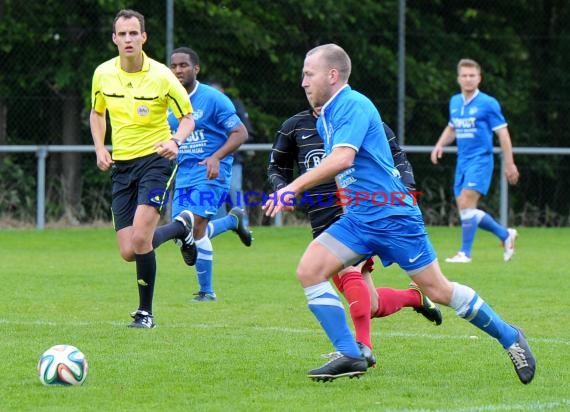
62, 365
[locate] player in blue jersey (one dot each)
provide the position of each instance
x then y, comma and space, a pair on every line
298, 146
379, 220
204, 172
473, 118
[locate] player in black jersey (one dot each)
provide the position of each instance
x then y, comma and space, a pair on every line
297, 145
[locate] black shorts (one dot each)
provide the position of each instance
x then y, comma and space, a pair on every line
141, 181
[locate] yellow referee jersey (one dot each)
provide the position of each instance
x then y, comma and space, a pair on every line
138, 104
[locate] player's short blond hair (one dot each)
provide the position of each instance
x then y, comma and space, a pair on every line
336, 58
468, 63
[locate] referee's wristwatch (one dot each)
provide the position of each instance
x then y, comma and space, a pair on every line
178, 142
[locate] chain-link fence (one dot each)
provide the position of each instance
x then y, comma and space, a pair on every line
50, 49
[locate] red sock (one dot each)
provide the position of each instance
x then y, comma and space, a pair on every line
392, 300
338, 283
355, 290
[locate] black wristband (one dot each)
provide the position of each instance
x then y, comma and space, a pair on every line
178, 142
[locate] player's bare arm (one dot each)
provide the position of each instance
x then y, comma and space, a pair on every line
98, 126
511, 171
237, 137
447, 137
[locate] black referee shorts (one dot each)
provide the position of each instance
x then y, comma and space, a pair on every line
141, 181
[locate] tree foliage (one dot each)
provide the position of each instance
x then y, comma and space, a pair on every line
49, 50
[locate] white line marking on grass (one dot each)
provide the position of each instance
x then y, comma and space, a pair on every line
434, 336
531, 406
102, 323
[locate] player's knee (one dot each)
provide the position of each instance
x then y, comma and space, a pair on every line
463, 203
140, 243
468, 199
436, 287
302, 275
200, 227
306, 275
137, 240
127, 254
439, 293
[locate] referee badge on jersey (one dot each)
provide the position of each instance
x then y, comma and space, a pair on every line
142, 114
143, 110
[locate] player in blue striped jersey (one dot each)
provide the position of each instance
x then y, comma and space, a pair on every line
474, 117
357, 153
204, 172
298, 145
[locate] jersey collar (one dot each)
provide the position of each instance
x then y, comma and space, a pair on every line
333, 97
195, 88
145, 65
466, 102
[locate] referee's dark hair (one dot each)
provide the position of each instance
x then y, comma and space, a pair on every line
127, 14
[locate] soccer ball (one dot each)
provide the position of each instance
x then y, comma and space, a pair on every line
62, 365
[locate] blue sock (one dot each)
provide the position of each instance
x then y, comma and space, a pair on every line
469, 220
219, 226
489, 224
471, 307
468, 231
204, 265
481, 315
329, 311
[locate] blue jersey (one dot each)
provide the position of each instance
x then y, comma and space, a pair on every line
215, 117
371, 188
474, 122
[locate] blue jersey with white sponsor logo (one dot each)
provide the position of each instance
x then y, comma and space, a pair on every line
371, 188
474, 122
215, 117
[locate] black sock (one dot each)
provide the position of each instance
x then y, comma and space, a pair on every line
146, 274
166, 232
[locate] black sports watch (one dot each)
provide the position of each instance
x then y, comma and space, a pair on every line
178, 142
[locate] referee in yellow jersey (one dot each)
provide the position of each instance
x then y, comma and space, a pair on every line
137, 91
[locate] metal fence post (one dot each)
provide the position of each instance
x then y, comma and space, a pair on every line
504, 195
278, 219
169, 30
41, 187
401, 71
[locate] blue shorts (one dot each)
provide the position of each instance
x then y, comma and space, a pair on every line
394, 239
474, 174
203, 199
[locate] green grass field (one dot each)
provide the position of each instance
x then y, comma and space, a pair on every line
251, 350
